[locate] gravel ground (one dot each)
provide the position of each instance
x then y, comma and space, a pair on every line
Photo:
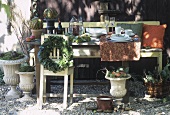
138, 105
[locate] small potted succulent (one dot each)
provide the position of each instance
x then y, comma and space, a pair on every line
36, 26
50, 16
10, 62
26, 75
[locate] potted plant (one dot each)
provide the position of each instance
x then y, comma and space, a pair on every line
10, 62
50, 16
118, 77
36, 26
157, 82
26, 75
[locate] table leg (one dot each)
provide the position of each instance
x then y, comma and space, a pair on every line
37, 73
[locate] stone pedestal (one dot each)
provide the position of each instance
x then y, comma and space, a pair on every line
10, 77
118, 89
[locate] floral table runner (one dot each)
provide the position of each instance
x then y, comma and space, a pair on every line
119, 51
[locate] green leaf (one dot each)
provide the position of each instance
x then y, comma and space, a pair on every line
7, 9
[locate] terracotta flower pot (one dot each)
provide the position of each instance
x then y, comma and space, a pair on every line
104, 103
37, 33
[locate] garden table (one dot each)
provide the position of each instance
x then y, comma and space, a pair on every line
36, 45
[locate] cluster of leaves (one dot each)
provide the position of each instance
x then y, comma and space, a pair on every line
120, 72
6, 8
157, 76
66, 54
26, 68
79, 39
11, 55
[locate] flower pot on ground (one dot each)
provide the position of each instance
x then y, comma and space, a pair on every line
10, 62
26, 75
118, 79
36, 26
50, 16
157, 82
105, 103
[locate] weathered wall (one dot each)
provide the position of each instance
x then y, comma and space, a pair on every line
131, 10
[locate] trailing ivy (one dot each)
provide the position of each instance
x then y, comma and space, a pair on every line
66, 53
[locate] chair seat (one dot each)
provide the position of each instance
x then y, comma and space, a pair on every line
67, 71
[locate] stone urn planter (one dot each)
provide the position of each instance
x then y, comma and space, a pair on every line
118, 89
26, 75
10, 77
26, 85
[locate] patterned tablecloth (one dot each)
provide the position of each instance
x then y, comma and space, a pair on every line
119, 51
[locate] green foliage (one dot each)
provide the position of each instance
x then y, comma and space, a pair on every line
165, 73
66, 54
36, 23
6, 8
26, 68
50, 13
156, 76
121, 72
1, 77
11, 55
79, 39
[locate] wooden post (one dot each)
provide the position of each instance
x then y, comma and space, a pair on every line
37, 67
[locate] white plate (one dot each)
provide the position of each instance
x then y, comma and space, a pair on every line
96, 31
96, 34
120, 38
128, 40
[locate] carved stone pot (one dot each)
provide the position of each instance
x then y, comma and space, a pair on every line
118, 89
26, 85
10, 77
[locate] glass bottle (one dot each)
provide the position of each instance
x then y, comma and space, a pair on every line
59, 28
80, 25
74, 26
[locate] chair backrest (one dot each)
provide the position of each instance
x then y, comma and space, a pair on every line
55, 53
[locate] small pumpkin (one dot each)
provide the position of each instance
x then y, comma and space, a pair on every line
50, 13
